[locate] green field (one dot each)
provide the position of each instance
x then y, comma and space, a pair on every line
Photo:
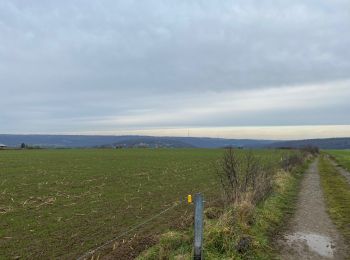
342, 157
61, 203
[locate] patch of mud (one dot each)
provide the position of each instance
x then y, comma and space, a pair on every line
317, 243
311, 233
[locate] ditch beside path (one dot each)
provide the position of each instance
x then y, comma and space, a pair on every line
310, 233
341, 170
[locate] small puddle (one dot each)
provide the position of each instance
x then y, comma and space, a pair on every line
320, 244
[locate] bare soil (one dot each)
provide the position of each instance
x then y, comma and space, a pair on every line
311, 233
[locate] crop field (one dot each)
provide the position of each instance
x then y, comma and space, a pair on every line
62, 203
342, 157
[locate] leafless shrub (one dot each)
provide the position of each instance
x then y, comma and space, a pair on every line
314, 150
244, 176
291, 160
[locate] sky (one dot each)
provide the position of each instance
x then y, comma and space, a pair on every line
244, 69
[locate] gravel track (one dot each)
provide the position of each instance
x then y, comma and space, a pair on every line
310, 233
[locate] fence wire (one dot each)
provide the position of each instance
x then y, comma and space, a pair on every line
130, 229
139, 225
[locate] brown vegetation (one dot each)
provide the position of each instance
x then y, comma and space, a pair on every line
244, 176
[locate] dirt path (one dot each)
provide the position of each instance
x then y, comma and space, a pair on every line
341, 170
311, 233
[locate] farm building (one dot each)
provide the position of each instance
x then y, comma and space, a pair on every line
2, 146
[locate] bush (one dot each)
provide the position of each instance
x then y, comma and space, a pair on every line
244, 176
314, 150
291, 160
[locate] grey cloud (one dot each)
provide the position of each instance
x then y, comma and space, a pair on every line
83, 59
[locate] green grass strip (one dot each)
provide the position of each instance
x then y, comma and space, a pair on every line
342, 157
337, 195
272, 214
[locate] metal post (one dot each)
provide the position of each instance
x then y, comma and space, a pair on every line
198, 227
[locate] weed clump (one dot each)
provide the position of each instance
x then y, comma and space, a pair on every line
220, 234
244, 244
213, 212
172, 243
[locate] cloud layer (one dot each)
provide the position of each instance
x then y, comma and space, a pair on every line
76, 66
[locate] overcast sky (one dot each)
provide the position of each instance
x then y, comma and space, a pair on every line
131, 66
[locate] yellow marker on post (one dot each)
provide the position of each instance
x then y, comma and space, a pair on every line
189, 199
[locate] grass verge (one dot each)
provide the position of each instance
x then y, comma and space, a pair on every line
242, 231
342, 157
337, 195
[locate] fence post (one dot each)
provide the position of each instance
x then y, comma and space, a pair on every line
198, 227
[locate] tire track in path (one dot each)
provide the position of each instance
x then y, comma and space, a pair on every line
310, 233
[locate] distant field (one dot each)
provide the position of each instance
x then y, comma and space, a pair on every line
342, 157
61, 203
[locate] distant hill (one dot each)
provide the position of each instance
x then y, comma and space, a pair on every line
198, 142
327, 143
88, 141
81, 141
153, 142
59, 140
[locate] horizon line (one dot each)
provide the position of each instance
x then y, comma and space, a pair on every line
284, 132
